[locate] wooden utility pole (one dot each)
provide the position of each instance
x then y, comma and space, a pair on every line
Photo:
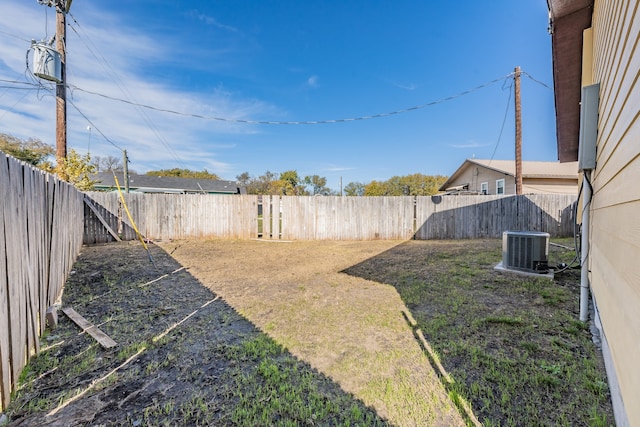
61, 88
516, 78
125, 170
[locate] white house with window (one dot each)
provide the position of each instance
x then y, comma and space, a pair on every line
493, 177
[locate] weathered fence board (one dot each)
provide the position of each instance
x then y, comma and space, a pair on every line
179, 216
170, 216
5, 367
276, 217
469, 217
41, 221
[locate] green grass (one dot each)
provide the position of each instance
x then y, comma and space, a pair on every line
512, 343
276, 391
513, 346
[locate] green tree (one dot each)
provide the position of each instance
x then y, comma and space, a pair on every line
243, 179
32, 151
76, 170
259, 185
318, 185
184, 173
354, 189
287, 183
409, 185
375, 188
290, 184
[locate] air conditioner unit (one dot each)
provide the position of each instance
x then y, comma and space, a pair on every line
525, 251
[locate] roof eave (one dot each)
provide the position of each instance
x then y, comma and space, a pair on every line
568, 19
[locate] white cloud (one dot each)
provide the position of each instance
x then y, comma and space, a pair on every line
210, 20
312, 81
410, 86
108, 58
337, 169
470, 144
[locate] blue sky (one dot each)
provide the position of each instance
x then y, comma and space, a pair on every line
288, 61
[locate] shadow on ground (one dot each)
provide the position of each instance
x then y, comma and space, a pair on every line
184, 357
511, 346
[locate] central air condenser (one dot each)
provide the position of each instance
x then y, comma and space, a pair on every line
525, 251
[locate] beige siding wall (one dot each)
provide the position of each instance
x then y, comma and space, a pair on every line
550, 186
476, 175
615, 210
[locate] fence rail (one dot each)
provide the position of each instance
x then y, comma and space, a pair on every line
41, 222
171, 216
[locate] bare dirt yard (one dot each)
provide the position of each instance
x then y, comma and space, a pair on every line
314, 333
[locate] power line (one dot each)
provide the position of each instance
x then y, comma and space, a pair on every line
14, 36
537, 81
14, 105
317, 122
504, 120
18, 88
231, 120
18, 82
107, 66
94, 126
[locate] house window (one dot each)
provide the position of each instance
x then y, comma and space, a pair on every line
484, 188
500, 186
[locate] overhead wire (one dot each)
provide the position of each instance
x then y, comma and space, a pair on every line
504, 121
535, 80
114, 76
14, 36
314, 122
18, 82
94, 126
37, 84
140, 106
14, 105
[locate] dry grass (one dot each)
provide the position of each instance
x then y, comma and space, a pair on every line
350, 329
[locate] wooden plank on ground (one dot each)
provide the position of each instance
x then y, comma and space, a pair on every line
101, 219
103, 339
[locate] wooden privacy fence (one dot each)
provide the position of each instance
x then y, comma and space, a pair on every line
183, 216
472, 217
41, 222
173, 216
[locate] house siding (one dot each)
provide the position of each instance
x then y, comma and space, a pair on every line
615, 222
549, 186
476, 175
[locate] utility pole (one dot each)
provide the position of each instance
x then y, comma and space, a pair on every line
125, 170
516, 78
61, 88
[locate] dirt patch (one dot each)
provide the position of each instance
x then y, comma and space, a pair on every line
184, 356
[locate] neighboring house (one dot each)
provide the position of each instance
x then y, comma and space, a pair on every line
476, 176
166, 184
598, 42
